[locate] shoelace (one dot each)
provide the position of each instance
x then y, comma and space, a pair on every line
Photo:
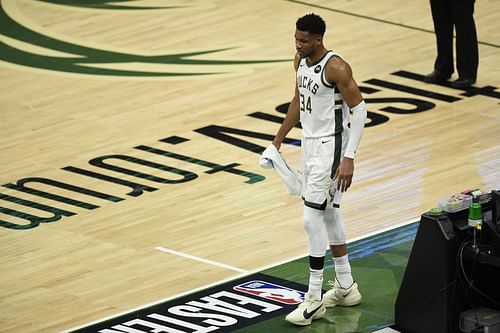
331, 283
339, 292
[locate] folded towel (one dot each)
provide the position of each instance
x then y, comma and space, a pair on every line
271, 158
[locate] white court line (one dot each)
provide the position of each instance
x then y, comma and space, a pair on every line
231, 278
370, 234
206, 261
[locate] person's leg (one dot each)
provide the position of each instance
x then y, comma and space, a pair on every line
336, 235
312, 307
443, 28
315, 229
466, 44
317, 158
344, 290
343, 272
314, 197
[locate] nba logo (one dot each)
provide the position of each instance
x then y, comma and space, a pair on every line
271, 291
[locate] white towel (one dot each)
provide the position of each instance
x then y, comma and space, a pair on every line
271, 158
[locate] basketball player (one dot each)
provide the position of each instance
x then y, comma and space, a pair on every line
326, 95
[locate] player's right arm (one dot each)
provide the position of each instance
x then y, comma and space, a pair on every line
292, 115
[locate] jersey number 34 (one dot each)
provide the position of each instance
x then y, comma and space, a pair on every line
305, 105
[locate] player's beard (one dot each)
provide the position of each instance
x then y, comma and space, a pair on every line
303, 54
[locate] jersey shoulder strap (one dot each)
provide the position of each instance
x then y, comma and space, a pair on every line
325, 60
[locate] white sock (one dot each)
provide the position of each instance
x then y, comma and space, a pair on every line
343, 271
315, 282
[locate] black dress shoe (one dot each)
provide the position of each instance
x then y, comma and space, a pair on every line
436, 77
462, 83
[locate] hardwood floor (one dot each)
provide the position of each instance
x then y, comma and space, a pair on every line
89, 93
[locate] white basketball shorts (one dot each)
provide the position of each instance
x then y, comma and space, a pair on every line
320, 158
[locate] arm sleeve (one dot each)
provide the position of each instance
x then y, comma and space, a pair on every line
358, 119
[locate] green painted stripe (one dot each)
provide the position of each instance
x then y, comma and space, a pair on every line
85, 57
378, 264
100, 4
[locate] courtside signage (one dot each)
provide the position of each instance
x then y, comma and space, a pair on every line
272, 292
223, 308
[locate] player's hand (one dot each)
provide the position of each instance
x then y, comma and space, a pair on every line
277, 144
344, 174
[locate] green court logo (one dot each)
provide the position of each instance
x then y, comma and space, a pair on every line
23, 45
103, 4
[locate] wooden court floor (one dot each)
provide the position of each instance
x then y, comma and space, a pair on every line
131, 133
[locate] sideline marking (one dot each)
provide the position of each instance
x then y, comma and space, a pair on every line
382, 230
207, 261
209, 285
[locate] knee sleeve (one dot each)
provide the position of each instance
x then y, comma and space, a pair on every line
315, 229
335, 228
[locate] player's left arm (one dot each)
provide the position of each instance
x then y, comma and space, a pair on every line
339, 72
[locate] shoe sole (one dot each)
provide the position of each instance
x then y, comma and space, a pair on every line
317, 315
345, 303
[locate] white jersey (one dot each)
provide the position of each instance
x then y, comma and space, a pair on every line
323, 111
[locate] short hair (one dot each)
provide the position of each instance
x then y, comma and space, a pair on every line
312, 23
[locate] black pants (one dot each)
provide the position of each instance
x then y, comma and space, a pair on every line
447, 14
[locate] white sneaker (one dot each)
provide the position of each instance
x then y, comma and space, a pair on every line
338, 296
311, 308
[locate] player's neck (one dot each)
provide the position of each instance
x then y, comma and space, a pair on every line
317, 55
